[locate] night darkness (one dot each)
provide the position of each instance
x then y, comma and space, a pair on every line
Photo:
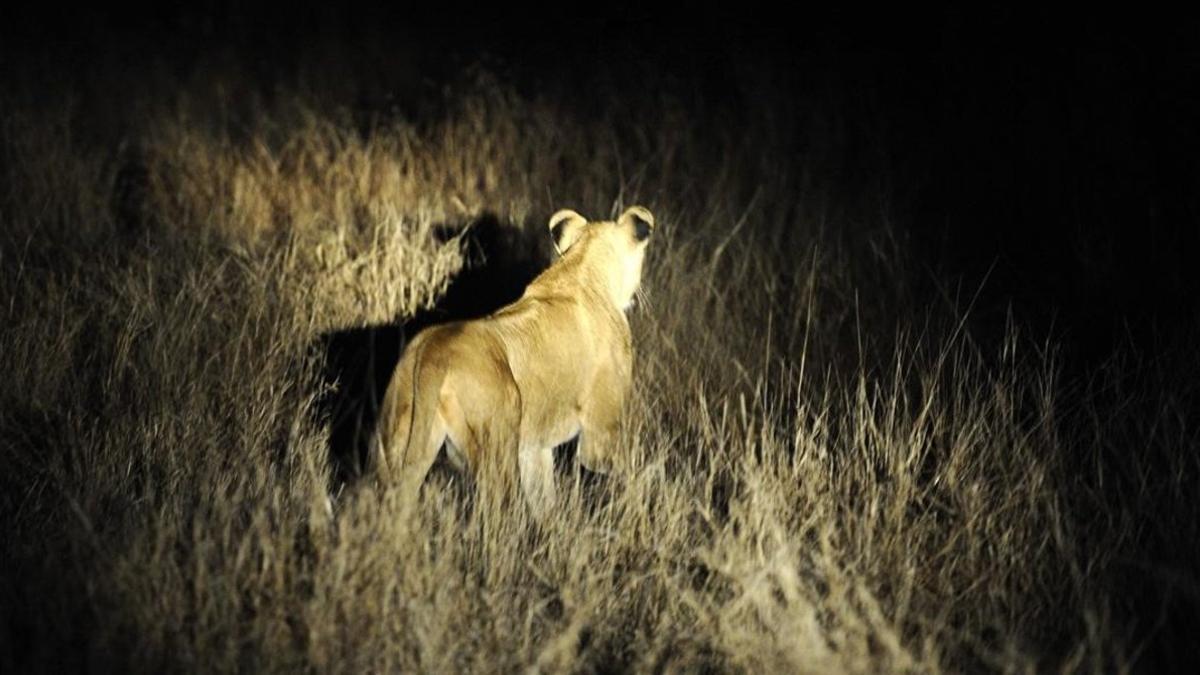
942, 262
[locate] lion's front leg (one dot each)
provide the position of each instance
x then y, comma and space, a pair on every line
601, 423
596, 448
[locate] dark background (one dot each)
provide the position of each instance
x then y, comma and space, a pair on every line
1049, 160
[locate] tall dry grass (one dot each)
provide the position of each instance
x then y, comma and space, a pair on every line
834, 474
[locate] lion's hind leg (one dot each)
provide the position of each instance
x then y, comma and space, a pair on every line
537, 480
417, 460
483, 417
410, 434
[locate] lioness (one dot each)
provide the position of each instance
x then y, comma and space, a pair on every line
515, 384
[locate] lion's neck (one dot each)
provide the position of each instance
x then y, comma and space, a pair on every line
576, 271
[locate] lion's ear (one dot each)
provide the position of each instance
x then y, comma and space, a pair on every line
640, 219
565, 228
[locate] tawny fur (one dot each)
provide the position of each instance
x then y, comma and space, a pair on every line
502, 391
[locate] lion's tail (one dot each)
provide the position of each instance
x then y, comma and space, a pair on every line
420, 387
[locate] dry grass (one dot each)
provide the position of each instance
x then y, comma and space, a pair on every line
834, 476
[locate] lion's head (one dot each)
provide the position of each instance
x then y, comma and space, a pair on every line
613, 251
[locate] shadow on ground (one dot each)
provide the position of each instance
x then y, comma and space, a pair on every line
500, 260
